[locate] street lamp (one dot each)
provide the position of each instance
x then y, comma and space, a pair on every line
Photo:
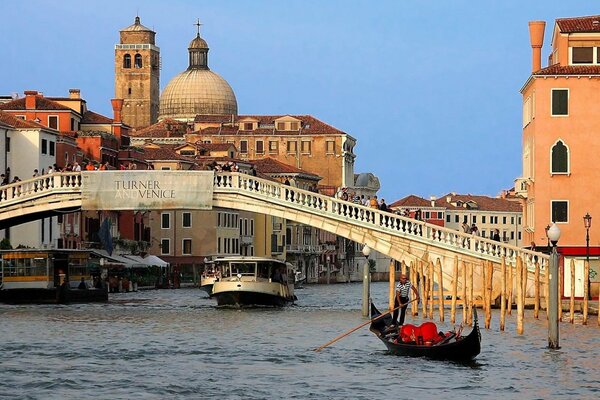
366, 250
328, 268
587, 223
553, 236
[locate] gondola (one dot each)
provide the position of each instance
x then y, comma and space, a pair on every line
454, 347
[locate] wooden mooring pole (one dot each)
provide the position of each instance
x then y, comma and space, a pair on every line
519, 273
454, 290
572, 297
509, 290
430, 289
464, 291
470, 306
503, 295
536, 301
489, 288
438, 265
424, 295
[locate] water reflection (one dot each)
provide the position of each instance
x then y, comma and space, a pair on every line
175, 343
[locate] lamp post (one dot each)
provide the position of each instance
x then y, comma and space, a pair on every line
328, 268
587, 223
553, 236
366, 250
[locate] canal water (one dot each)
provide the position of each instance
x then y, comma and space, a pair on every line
176, 344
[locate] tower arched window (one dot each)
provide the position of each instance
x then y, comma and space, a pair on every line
127, 61
138, 61
560, 158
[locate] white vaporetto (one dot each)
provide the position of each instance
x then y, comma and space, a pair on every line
147, 190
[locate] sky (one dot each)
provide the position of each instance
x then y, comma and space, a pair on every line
430, 89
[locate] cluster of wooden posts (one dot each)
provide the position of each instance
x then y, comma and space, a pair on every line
508, 288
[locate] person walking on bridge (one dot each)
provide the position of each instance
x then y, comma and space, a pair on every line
402, 298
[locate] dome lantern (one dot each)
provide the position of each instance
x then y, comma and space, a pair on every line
198, 51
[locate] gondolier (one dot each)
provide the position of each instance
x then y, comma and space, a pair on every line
402, 297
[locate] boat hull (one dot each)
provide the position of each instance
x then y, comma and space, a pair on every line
240, 293
464, 349
52, 296
207, 288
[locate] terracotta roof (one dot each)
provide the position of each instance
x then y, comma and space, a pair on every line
557, 69
215, 146
579, 24
164, 153
14, 122
41, 103
90, 117
411, 201
484, 203
165, 128
271, 166
310, 124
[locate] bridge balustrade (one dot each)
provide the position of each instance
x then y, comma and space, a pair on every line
308, 202
375, 219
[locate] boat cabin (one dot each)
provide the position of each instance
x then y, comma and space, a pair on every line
253, 269
43, 269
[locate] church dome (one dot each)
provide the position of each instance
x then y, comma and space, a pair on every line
197, 90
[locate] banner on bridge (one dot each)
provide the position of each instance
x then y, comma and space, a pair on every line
147, 190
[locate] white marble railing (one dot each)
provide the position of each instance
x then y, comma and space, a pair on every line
370, 218
308, 202
36, 187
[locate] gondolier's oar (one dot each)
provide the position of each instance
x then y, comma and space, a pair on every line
360, 326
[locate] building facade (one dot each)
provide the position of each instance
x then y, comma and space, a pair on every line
560, 145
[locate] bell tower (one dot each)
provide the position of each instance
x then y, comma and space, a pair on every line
137, 72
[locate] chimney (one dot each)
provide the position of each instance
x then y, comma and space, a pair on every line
30, 99
448, 199
536, 38
74, 93
117, 106
432, 199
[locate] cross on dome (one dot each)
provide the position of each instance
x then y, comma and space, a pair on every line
198, 24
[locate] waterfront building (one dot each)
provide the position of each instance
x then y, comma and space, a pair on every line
487, 213
453, 210
19, 136
560, 148
137, 74
430, 212
85, 137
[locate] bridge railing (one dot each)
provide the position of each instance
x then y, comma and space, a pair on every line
39, 186
310, 202
363, 216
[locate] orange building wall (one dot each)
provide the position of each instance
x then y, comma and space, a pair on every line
578, 131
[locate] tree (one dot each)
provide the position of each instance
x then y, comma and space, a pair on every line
5, 244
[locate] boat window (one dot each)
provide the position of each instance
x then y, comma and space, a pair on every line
243, 268
26, 267
263, 270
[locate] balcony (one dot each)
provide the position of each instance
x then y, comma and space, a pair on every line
303, 249
246, 240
